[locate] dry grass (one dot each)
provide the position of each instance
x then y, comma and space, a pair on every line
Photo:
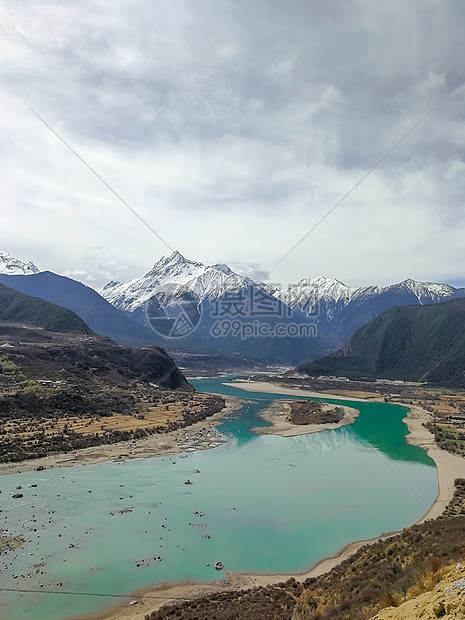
446, 402
158, 416
150, 416
444, 408
155, 416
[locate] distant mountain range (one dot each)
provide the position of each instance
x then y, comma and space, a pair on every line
337, 310
340, 310
324, 298
218, 296
411, 343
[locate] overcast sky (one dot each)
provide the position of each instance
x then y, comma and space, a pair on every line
231, 128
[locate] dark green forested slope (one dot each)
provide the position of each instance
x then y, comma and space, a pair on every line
19, 308
411, 343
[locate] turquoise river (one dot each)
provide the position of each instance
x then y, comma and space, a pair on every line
265, 504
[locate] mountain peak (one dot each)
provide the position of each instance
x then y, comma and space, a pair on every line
176, 257
223, 268
431, 290
323, 281
14, 266
173, 275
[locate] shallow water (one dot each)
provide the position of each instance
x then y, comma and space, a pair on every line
269, 504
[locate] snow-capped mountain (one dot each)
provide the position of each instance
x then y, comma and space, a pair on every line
210, 308
171, 277
426, 291
13, 266
311, 291
336, 309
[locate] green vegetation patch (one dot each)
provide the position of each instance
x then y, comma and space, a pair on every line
449, 437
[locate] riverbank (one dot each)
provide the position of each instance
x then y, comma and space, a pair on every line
449, 466
142, 602
278, 412
199, 436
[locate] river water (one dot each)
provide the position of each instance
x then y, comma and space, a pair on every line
258, 503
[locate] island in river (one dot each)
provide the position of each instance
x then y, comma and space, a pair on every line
289, 418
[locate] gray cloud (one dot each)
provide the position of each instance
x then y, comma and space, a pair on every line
232, 128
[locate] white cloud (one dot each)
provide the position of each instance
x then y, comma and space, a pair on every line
231, 128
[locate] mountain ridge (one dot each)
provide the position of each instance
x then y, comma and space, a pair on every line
169, 277
322, 288
336, 309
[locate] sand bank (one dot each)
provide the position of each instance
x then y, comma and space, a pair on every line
274, 388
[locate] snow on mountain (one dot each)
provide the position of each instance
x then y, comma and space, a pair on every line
310, 291
110, 286
428, 290
14, 267
172, 276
